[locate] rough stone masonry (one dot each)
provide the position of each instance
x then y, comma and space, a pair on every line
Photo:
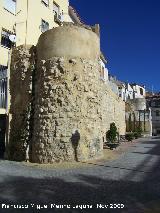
67, 108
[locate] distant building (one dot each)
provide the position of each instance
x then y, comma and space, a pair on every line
129, 92
104, 70
122, 91
138, 116
153, 102
138, 91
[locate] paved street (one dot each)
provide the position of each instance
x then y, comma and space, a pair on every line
132, 180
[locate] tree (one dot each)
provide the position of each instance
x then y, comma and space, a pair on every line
111, 134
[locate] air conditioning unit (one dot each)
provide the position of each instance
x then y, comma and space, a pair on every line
58, 18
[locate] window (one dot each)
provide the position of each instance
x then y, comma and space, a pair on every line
45, 2
56, 8
141, 91
157, 103
5, 41
44, 26
157, 113
153, 104
3, 86
10, 5
3, 72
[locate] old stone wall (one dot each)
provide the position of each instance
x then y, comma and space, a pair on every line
21, 77
73, 111
67, 111
113, 110
70, 107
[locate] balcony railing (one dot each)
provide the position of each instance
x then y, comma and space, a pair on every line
5, 41
3, 87
58, 18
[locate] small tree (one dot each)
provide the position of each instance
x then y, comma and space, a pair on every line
111, 134
130, 122
139, 131
129, 136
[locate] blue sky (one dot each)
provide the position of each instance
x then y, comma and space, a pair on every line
130, 37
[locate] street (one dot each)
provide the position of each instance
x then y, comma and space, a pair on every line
130, 183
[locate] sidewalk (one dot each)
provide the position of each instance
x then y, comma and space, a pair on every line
108, 155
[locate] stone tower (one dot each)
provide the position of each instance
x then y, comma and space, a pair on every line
60, 106
66, 121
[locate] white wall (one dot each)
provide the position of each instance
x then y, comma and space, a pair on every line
105, 77
129, 92
122, 93
137, 91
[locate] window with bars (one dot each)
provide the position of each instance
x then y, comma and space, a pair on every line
141, 91
5, 41
3, 72
3, 86
44, 26
3, 93
157, 113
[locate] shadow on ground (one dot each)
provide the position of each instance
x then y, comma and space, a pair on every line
92, 191
87, 189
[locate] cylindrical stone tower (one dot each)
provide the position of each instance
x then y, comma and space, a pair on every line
67, 117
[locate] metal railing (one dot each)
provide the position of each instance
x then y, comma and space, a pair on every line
3, 87
5, 41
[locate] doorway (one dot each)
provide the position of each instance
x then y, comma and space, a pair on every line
2, 135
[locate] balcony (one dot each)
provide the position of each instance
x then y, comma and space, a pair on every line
5, 41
